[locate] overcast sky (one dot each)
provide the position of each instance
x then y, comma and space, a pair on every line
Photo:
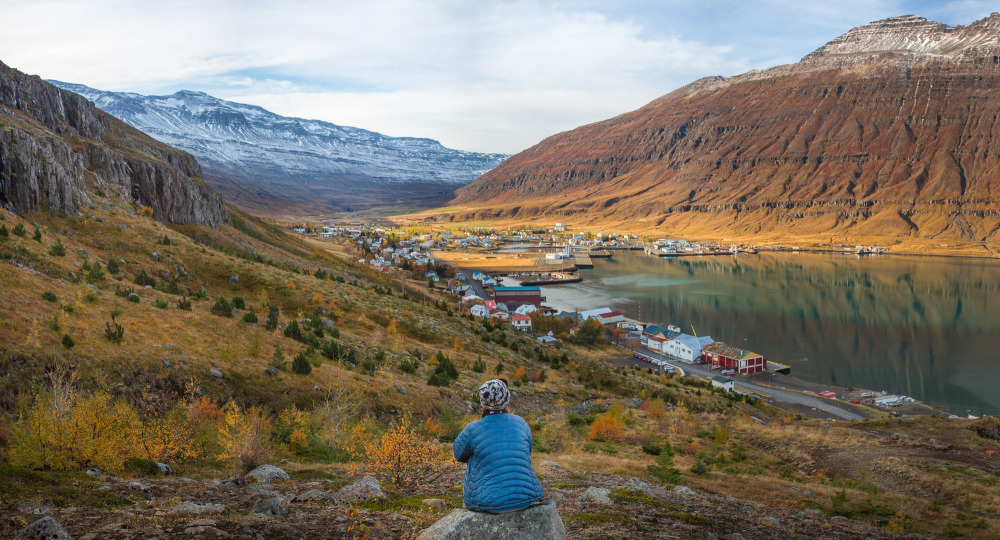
476, 75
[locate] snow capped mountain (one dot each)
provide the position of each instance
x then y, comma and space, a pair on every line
247, 147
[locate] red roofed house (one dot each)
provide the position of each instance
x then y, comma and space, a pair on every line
499, 314
729, 357
521, 322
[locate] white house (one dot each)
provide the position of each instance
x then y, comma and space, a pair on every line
686, 347
480, 310
521, 322
525, 309
586, 315
722, 382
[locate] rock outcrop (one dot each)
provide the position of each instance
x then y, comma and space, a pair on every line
57, 151
886, 131
541, 522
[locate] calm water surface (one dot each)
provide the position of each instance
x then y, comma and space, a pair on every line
924, 327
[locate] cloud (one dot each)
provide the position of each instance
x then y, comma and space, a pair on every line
494, 76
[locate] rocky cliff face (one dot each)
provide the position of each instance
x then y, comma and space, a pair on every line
890, 130
57, 150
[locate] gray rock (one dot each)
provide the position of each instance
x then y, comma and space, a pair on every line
839, 519
215, 373
188, 508
155, 255
364, 489
233, 279
164, 468
327, 323
46, 528
552, 464
772, 521
233, 482
265, 474
541, 522
683, 490
435, 503
269, 508
166, 363
597, 495
102, 488
402, 389
640, 486
96, 473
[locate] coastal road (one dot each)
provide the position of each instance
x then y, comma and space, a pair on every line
828, 406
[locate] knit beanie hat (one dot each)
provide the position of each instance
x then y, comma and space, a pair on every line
494, 395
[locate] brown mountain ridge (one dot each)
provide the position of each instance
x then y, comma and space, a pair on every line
887, 134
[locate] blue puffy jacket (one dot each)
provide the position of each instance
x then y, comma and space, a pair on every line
499, 476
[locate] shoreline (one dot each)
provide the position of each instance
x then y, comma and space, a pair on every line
589, 299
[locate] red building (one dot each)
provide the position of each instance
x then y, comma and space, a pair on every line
515, 297
729, 357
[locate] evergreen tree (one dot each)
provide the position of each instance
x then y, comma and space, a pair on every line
301, 365
37, 236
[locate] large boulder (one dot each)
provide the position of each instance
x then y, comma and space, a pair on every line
362, 490
46, 528
540, 522
265, 474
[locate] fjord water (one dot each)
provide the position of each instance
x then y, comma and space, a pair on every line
924, 327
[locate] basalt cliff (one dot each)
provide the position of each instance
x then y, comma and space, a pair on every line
888, 133
58, 152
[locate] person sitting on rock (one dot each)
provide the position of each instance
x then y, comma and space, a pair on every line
497, 448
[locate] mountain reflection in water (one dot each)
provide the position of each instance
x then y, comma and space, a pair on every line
920, 326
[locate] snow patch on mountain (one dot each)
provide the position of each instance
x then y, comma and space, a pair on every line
241, 137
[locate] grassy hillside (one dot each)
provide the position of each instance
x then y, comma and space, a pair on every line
184, 385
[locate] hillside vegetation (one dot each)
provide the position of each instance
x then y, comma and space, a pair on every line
125, 342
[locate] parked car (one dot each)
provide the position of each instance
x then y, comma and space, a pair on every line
728, 371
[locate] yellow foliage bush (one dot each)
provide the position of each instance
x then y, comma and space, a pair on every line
245, 437
400, 456
607, 427
72, 434
169, 438
147, 211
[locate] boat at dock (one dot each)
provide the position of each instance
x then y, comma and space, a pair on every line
550, 279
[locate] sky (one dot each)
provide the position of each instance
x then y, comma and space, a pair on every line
480, 75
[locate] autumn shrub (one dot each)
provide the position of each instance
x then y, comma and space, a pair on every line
239, 303
61, 431
184, 304
67, 341
113, 267
245, 437
134, 298
607, 427
654, 408
160, 303
19, 230
400, 456
48, 296
250, 317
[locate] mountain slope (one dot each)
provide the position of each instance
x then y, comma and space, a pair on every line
256, 157
887, 132
57, 150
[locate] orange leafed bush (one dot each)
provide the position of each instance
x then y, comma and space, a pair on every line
519, 373
607, 428
400, 456
654, 408
147, 211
